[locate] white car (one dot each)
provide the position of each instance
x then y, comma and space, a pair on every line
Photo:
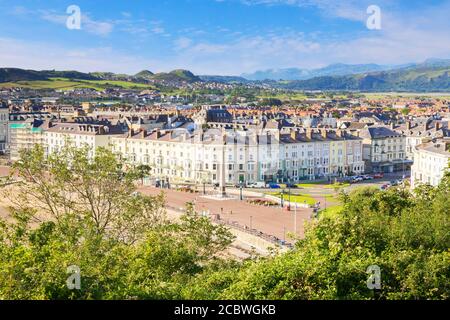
257, 185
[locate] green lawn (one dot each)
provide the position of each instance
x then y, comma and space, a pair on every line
296, 198
310, 184
322, 184
332, 197
339, 185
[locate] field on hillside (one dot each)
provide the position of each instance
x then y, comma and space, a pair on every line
70, 84
383, 95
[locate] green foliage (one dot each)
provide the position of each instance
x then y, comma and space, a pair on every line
80, 208
271, 102
405, 234
126, 249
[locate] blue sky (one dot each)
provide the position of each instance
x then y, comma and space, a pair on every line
227, 37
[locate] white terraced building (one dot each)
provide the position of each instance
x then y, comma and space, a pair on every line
431, 159
249, 156
79, 135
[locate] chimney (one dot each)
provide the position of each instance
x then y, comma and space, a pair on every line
323, 133
392, 125
408, 125
294, 134
437, 125
309, 133
339, 133
158, 134
143, 134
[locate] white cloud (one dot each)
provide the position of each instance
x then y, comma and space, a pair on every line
182, 43
405, 37
347, 9
88, 24
44, 56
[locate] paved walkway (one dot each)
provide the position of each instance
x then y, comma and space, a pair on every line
273, 221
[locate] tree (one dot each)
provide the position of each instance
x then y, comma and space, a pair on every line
79, 208
405, 111
405, 234
143, 171
83, 185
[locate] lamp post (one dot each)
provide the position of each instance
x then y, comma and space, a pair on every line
289, 185
240, 189
251, 222
282, 199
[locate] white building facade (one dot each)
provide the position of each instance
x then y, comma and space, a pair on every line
247, 156
431, 159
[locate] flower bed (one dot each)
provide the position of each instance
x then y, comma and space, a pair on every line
263, 202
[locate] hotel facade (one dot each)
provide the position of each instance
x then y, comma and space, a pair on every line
248, 156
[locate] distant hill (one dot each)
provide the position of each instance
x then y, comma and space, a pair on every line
338, 69
144, 74
176, 76
68, 75
15, 74
111, 76
224, 79
428, 76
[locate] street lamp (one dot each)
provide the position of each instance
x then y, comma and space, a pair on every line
289, 185
282, 198
251, 222
240, 189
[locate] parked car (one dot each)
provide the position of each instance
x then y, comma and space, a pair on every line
396, 182
367, 177
356, 179
257, 185
291, 185
385, 186
378, 175
274, 186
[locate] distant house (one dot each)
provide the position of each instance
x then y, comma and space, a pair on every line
418, 132
431, 159
213, 114
384, 150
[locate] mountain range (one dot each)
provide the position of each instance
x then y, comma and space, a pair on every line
338, 69
15, 74
430, 75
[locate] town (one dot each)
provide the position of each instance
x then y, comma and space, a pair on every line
237, 158
319, 139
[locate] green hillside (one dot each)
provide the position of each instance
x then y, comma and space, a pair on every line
70, 84
144, 74
418, 79
177, 75
15, 74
